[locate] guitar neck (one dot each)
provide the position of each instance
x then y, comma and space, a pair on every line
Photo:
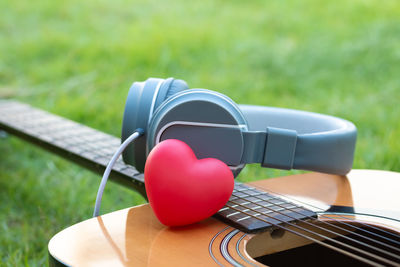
85, 146
249, 209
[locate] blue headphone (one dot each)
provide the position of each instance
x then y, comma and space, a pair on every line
215, 127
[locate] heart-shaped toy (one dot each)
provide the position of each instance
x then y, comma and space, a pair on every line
182, 189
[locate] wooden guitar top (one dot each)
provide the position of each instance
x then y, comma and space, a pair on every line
134, 237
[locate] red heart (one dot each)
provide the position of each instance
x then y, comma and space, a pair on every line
182, 189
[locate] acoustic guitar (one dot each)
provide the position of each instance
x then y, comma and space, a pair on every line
351, 220
311, 219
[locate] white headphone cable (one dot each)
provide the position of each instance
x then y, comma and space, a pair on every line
138, 132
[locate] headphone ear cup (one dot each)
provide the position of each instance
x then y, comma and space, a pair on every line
142, 101
209, 122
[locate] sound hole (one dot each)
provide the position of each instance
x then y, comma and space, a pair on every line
290, 250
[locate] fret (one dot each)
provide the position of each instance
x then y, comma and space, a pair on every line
244, 218
231, 214
93, 149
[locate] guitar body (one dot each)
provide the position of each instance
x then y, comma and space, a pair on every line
133, 237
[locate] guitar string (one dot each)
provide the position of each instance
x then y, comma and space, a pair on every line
345, 252
341, 216
358, 228
317, 234
376, 257
322, 228
325, 215
335, 226
336, 214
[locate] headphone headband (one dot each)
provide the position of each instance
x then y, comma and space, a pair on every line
292, 139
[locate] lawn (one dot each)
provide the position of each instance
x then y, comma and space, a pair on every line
78, 59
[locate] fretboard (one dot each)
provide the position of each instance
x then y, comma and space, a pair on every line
252, 210
83, 145
249, 209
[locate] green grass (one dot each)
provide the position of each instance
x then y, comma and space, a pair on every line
78, 59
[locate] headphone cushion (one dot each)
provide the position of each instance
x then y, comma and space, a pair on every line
168, 88
142, 101
175, 87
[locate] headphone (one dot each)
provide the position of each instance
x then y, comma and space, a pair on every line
215, 127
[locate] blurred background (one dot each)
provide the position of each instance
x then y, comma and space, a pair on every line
79, 58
